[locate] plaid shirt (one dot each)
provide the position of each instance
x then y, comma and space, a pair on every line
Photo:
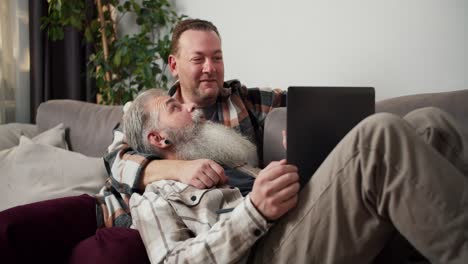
237, 107
180, 224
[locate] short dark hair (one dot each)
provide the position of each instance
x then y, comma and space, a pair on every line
190, 24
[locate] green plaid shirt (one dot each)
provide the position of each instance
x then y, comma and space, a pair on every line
237, 107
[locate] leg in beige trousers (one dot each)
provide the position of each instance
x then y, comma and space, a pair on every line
380, 178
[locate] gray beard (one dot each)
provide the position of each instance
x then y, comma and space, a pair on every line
213, 141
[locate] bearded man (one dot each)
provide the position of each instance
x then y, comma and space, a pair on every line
380, 179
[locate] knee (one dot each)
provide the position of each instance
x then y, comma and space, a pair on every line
122, 245
425, 115
382, 124
382, 120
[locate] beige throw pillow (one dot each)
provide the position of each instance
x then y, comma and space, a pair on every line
33, 172
11, 133
54, 137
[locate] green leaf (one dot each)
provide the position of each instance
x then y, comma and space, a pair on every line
88, 35
136, 7
75, 22
117, 59
127, 6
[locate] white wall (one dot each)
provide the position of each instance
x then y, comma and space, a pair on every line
398, 46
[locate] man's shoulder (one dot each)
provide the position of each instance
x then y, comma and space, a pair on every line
234, 86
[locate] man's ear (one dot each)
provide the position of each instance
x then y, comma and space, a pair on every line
158, 139
173, 66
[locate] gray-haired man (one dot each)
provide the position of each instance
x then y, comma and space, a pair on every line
380, 179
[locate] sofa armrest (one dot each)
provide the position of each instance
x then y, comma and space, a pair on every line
273, 149
89, 126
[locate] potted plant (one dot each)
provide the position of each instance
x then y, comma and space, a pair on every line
122, 66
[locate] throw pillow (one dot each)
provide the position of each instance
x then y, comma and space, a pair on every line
54, 137
10, 134
33, 172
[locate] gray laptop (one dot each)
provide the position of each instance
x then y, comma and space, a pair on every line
318, 118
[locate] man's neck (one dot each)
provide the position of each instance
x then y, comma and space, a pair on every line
188, 98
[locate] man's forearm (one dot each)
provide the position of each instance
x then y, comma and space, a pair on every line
201, 173
161, 170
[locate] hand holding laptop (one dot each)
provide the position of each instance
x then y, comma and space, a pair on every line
275, 190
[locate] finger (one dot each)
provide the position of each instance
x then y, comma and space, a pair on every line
205, 180
273, 164
197, 184
284, 180
277, 171
219, 172
290, 203
283, 195
286, 206
213, 175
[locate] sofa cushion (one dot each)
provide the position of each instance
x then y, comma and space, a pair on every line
34, 172
89, 126
11, 133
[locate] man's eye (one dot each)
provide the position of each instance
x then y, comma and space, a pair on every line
197, 60
176, 107
218, 58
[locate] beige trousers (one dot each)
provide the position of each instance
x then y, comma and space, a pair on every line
388, 174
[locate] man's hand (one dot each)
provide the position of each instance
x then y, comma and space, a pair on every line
202, 173
275, 190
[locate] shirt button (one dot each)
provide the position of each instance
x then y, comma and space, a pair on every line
193, 198
257, 232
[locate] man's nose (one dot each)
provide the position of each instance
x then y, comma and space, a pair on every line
208, 66
190, 107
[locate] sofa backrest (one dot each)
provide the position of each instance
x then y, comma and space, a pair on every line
89, 126
454, 102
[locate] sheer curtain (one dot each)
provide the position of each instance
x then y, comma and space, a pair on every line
58, 68
14, 61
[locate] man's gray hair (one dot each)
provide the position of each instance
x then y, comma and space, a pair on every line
139, 120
